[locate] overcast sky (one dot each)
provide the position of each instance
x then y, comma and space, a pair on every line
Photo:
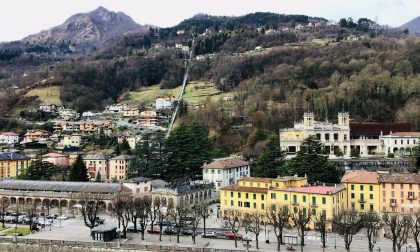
20, 18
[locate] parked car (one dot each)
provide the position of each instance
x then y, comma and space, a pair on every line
164, 223
187, 231
131, 229
43, 223
62, 217
170, 230
230, 235
209, 234
155, 230
9, 218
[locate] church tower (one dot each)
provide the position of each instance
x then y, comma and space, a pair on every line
343, 120
308, 119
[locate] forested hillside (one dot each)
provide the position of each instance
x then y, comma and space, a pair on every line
372, 73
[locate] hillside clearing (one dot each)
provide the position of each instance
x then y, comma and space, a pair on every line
46, 95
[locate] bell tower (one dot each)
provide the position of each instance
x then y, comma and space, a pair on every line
343, 119
308, 119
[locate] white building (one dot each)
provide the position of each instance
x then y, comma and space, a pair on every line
224, 172
400, 143
332, 136
49, 108
131, 139
138, 185
180, 32
68, 114
9, 138
116, 108
185, 48
73, 140
164, 102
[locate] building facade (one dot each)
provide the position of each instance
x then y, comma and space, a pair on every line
118, 167
13, 164
73, 140
224, 172
56, 159
97, 163
9, 138
332, 136
164, 102
400, 143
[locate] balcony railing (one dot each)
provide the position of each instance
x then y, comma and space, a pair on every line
314, 205
411, 197
295, 203
362, 201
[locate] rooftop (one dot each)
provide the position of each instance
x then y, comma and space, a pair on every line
313, 189
9, 134
97, 156
137, 180
244, 189
225, 164
52, 154
360, 177
59, 186
377, 128
121, 157
399, 178
404, 134
13, 156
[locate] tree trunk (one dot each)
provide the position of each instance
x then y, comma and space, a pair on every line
417, 244
394, 245
278, 243
236, 241
204, 224
302, 238
160, 232
256, 241
142, 235
193, 237
177, 237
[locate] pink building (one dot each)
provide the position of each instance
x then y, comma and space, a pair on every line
56, 159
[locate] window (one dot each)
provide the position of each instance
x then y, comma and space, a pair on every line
362, 206
273, 196
285, 197
361, 187
371, 196
231, 194
262, 206
313, 211
371, 207
247, 204
219, 171
246, 195
371, 188
352, 195
254, 196
294, 199
352, 187
352, 206
239, 203
255, 205
231, 202
324, 213
324, 200
239, 195
304, 198
313, 201
262, 196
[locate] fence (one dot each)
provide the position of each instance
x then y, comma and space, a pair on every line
111, 246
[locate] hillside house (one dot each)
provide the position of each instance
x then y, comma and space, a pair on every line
131, 112
9, 138
56, 159
116, 108
73, 140
148, 118
36, 136
164, 102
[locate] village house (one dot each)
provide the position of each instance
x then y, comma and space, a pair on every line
56, 159
36, 136
83, 127
185, 48
180, 32
89, 115
49, 108
164, 102
73, 140
97, 163
68, 114
148, 118
118, 167
200, 58
226, 171
138, 185
131, 139
131, 112
178, 46
400, 143
116, 108
9, 138
13, 164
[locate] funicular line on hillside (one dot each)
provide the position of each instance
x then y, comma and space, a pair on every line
181, 92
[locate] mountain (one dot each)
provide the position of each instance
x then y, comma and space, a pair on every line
413, 26
89, 29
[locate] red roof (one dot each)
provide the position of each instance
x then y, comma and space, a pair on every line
9, 134
376, 128
313, 189
360, 177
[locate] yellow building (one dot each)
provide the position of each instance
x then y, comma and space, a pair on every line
118, 167
258, 194
362, 191
13, 164
399, 192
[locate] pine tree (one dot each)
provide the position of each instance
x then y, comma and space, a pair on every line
140, 164
79, 171
125, 147
117, 150
312, 161
271, 163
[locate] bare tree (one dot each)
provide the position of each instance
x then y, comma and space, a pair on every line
398, 226
122, 209
415, 228
371, 223
161, 216
279, 217
301, 220
178, 215
233, 223
3, 204
31, 210
90, 206
196, 218
205, 213
321, 227
345, 223
154, 211
144, 206
253, 222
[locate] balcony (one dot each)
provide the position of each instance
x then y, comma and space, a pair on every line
314, 205
411, 197
393, 204
295, 203
362, 201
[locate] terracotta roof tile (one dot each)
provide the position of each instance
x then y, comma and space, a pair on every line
256, 179
360, 177
399, 178
313, 189
226, 164
244, 189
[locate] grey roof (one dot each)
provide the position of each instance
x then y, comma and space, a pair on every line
156, 183
98, 156
59, 186
104, 228
137, 180
121, 157
12, 156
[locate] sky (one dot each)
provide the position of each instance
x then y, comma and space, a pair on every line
21, 18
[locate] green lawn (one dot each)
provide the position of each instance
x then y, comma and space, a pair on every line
19, 231
195, 92
48, 95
